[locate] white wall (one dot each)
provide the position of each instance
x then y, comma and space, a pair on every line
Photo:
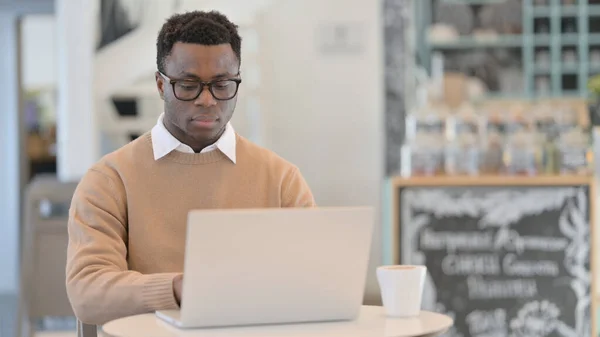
38, 57
10, 152
325, 111
77, 127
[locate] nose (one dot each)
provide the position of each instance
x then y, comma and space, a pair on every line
205, 99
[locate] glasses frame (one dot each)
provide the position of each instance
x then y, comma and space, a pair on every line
210, 84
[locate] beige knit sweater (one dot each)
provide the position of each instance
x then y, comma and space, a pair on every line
128, 216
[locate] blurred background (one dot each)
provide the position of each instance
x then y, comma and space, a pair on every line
354, 92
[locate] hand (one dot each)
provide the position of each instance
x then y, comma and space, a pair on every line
177, 285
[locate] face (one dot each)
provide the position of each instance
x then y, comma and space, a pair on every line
200, 122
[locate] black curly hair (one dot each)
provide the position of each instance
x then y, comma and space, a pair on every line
206, 28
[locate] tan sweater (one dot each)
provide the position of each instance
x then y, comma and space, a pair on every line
128, 216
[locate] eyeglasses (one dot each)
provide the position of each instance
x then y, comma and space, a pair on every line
189, 90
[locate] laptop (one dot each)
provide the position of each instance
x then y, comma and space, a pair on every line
273, 266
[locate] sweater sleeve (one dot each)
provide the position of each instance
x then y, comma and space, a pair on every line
99, 285
295, 191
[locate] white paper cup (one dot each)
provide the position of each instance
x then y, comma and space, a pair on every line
401, 289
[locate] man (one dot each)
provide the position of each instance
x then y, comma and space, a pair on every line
127, 221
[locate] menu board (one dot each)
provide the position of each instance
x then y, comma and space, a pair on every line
503, 261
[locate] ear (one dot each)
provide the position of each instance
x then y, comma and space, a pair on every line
160, 85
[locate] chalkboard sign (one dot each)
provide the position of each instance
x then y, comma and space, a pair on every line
503, 261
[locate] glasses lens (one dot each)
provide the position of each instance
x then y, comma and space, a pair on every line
224, 89
189, 90
186, 90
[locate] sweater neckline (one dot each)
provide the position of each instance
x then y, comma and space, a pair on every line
191, 158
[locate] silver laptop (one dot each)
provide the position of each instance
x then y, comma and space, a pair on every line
273, 266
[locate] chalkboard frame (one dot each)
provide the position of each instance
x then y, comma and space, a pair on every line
400, 183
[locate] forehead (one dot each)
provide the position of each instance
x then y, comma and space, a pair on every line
203, 61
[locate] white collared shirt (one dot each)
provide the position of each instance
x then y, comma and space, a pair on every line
163, 142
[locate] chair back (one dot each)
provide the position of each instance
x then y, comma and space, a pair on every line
44, 252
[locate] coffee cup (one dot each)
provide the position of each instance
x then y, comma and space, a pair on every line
401, 289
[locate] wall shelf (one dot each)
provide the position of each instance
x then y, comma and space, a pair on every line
473, 2
557, 39
593, 10
565, 11
570, 69
566, 69
546, 11
570, 39
541, 40
468, 42
594, 39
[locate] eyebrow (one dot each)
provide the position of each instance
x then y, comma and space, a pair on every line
218, 76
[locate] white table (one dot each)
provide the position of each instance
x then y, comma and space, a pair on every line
371, 322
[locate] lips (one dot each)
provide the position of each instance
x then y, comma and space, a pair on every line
205, 118
205, 122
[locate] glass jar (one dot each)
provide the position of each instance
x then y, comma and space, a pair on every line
426, 157
565, 118
492, 142
463, 148
545, 128
521, 156
424, 148
574, 153
463, 156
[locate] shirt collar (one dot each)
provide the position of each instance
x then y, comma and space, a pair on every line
163, 142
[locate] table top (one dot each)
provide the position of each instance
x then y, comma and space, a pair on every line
371, 321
